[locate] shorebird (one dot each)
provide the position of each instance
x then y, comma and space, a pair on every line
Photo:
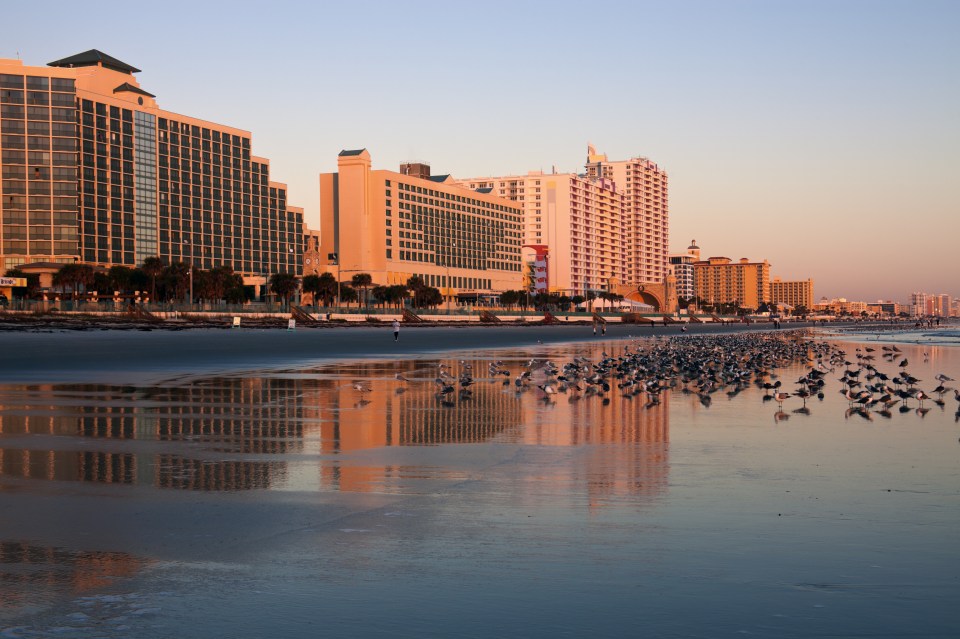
361, 387
780, 397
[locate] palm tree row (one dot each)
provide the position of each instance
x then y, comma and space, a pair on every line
325, 289
164, 282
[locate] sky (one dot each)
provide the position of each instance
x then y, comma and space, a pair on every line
822, 136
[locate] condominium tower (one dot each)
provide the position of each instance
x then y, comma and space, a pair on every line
94, 171
647, 224
603, 229
394, 225
579, 220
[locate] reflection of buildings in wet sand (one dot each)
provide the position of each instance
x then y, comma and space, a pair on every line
628, 441
240, 415
24, 568
414, 416
69, 465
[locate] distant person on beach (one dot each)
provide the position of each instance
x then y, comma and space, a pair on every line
603, 328
396, 330
594, 328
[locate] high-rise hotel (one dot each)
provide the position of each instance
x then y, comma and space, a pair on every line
394, 225
94, 171
575, 221
647, 219
606, 229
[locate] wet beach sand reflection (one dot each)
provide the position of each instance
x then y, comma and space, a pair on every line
328, 489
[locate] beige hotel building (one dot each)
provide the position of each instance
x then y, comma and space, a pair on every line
721, 280
394, 225
793, 294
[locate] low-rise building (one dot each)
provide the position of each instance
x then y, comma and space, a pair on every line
680, 265
793, 294
720, 280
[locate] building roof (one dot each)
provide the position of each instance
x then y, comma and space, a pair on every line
485, 189
439, 178
92, 58
126, 86
351, 152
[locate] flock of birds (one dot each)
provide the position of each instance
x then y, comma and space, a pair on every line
704, 366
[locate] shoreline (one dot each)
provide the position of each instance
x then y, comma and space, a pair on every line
129, 356
136, 356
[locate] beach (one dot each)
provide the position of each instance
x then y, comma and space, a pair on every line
117, 355
301, 483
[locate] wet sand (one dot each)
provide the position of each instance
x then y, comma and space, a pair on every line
279, 500
136, 356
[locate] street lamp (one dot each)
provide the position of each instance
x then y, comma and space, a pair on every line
190, 269
449, 281
335, 259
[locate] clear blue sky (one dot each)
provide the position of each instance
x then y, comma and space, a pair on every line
823, 136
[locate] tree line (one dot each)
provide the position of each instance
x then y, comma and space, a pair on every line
360, 289
154, 278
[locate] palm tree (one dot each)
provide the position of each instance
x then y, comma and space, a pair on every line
176, 278
120, 278
362, 281
311, 286
328, 287
380, 294
74, 276
153, 267
396, 294
284, 285
509, 298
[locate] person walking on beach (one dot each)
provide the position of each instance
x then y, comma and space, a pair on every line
396, 330
594, 328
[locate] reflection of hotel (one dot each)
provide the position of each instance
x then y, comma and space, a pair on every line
237, 433
51, 567
244, 416
627, 441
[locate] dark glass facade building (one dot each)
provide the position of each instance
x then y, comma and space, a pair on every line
94, 171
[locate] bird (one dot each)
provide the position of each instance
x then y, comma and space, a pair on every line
361, 387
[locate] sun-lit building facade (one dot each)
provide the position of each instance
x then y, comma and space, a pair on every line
94, 171
792, 293
645, 186
394, 225
579, 220
720, 280
680, 265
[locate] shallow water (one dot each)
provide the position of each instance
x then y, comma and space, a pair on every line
290, 503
